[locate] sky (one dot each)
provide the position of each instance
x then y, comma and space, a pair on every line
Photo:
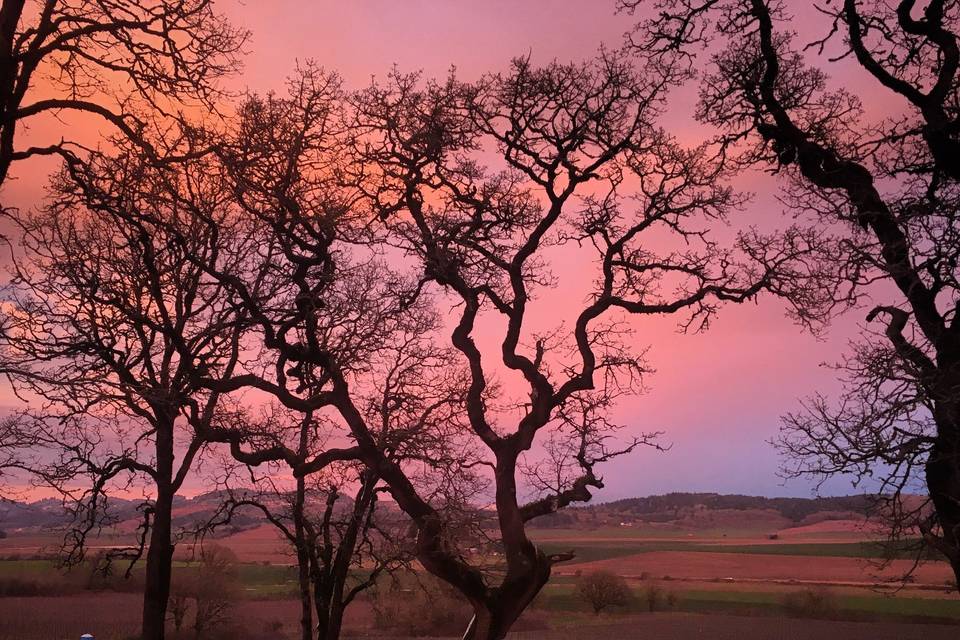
719, 395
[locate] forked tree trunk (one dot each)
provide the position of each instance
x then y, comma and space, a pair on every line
528, 568
494, 618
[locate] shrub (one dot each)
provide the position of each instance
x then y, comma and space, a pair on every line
810, 603
603, 589
652, 596
208, 589
11, 587
273, 626
177, 607
423, 607
52, 584
656, 598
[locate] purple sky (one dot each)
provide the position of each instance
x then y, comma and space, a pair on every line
718, 395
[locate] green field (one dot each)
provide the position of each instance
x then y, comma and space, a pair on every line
561, 597
588, 551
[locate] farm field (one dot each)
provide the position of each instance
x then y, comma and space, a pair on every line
723, 583
115, 617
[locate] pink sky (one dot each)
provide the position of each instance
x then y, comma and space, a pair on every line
719, 395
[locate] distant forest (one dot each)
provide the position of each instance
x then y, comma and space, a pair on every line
665, 508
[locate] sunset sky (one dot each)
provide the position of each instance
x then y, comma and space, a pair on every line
718, 395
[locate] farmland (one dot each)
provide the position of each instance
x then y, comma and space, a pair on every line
725, 581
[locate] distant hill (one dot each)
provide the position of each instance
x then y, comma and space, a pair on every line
707, 510
684, 510
49, 514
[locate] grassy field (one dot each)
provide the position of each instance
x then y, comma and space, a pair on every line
560, 597
590, 551
647, 556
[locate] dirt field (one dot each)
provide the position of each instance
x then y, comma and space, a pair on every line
741, 566
675, 626
115, 617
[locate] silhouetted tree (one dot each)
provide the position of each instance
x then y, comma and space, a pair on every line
583, 165
212, 588
328, 327
106, 323
121, 60
322, 236
883, 195
342, 550
342, 544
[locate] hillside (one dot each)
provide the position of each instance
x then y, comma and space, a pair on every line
712, 510
124, 514
686, 510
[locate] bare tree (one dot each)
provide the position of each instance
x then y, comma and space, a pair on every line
15, 441
320, 321
887, 192
179, 606
583, 165
144, 293
342, 544
213, 588
106, 324
118, 60
603, 589
322, 189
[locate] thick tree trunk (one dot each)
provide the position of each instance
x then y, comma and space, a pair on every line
943, 484
306, 607
528, 568
493, 620
10, 13
159, 560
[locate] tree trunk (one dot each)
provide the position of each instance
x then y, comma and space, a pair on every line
10, 13
494, 619
321, 604
528, 568
303, 564
334, 622
159, 560
481, 625
156, 590
943, 484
